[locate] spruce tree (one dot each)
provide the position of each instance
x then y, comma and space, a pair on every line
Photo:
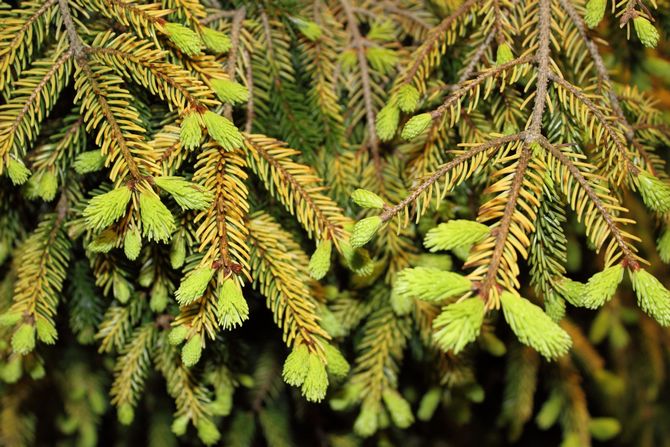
334, 222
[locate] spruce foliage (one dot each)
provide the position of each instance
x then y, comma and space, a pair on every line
296, 222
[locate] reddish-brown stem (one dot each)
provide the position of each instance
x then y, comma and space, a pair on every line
604, 78
620, 145
238, 18
359, 46
503, 230
390, 212
629, 258
434, 38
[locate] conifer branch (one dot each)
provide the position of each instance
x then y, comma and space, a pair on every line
190, 395
506, 134
30, 105
42, 271
433, 41
79, 51
222, 172
534, 130
115, 128
280, 273
132, 367
20, 39
602, 120
172, 78
496, 143
133, 9
629, 258
462, 88
501, 232
358, 44
297, 187
69, 144
605, 80
475, 59
238, 19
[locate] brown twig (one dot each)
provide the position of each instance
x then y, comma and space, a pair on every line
433, 39
604, 78
359, 46
238, 18
502, 231
543, 57
629, 257
620, 145
390, 212
76, 44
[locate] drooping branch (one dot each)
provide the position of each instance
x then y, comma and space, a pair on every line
359, 45
533, 132
391, 212
502, 232
296, 185
465, 86
32, 102
115, 127
433, 40
602, 120
630, 259
603, 76
78, 48
543, 58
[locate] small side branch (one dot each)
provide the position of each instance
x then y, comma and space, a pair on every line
359, 44
581, 97
466, 86
433, 39
391, 212
604, 78
474, 60
503, 230
630, 259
